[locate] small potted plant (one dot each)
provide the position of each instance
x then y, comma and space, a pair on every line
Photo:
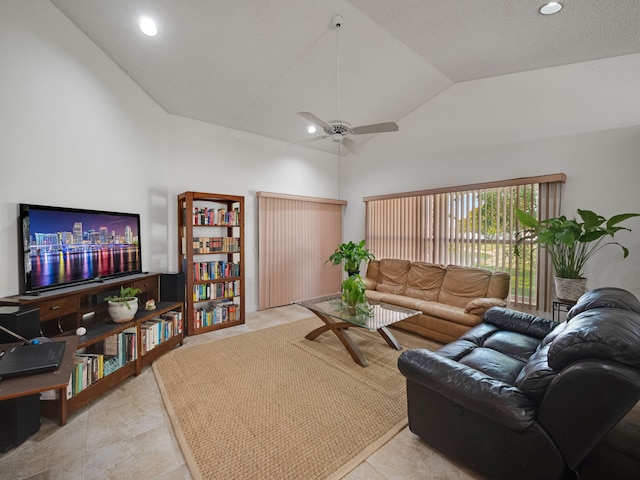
353, 294
352, 254
123, 307
570, 243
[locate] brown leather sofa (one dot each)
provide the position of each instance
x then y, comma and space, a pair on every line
452, 299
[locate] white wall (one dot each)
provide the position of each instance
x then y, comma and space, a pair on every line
208, 158
582, 119
76, 132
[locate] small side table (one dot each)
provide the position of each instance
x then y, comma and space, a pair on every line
561, 306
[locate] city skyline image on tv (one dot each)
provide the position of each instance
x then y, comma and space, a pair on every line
65, 246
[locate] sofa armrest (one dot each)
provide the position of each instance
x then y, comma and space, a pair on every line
478, 306
498, 401
519, 322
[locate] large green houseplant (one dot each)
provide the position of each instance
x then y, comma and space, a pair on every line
352, 255
570, 242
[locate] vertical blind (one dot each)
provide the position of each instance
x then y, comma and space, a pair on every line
296, 235
471, 225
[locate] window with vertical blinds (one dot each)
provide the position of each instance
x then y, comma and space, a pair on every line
296, 235
471, 225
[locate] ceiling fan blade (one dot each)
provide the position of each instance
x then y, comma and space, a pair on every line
309, 140
315, 120
352, 145
376, 128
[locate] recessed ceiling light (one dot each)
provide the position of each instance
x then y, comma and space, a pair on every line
311, 129
550, 8
148, 27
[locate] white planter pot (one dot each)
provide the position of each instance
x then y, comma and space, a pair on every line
570, 289
119, 312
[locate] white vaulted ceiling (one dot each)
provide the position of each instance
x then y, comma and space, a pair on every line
252, 64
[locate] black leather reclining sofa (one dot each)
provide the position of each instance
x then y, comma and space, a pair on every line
522, 397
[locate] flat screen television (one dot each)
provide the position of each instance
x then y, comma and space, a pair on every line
67, 246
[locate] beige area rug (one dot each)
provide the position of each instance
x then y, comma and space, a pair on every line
270, 404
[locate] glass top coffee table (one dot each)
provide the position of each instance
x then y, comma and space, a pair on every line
332, 311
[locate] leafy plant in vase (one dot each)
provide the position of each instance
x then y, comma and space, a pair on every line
354, 296
124, 306
570, 244
352, 255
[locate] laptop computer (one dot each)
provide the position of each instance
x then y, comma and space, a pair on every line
29, 359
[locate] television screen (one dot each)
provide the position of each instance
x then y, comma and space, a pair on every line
65, 246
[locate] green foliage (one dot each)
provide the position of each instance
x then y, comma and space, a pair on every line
126, 294
352, 254
353, 290
492, 214
354, 295
570, 242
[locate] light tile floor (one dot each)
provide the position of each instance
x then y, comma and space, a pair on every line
127, 434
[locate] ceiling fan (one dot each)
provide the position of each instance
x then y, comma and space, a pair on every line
340, 131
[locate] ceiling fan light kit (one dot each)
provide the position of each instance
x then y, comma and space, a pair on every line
550, 8
340, 131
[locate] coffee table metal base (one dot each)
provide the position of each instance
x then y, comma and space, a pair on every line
340, 329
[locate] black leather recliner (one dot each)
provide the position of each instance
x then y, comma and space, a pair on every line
522, 397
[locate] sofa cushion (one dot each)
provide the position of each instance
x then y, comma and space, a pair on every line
478, 306
602, 333
493, 363
373, 269
521, 322
499, 285
462, 284
424, 281
513, 344
369, 283
536, 375
392, 277
448, 312
606, 297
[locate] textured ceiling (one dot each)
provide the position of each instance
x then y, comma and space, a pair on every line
252, 64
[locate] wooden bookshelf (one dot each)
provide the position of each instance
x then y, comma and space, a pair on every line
211, 253
63, 311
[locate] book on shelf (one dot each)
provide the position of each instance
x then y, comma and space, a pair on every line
88, 368
216, 291
160, 329
215, 270
130, 344
120, 348
214, 313
208, 245
215, 216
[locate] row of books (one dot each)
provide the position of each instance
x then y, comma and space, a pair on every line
213, 245
213, 291
215, 313
158, 330
215, 270
88, 368
122, 346
118, 350
213, 216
